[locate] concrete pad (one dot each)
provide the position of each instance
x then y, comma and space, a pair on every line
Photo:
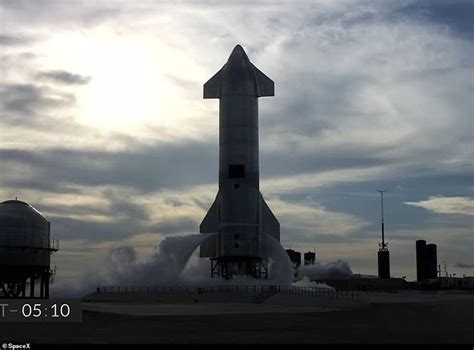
415, 297
308, 301
156, 309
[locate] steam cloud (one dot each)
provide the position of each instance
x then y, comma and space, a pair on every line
176, 262
306, 282
464, 266
333, 270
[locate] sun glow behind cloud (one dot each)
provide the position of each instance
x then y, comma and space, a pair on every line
134, 82
120, 96
125, 90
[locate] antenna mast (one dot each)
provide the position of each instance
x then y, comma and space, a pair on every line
383, 245
445, 266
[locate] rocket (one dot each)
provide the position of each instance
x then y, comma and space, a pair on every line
239, 216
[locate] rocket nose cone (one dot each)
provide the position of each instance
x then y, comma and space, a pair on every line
238, 54
238, 48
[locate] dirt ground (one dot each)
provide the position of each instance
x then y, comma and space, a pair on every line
428, 322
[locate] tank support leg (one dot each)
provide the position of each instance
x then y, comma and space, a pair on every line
46, 285
42, 286
32, 287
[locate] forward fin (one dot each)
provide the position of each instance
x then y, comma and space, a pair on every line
212, 89
265, 86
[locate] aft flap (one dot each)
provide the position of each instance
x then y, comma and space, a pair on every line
212, 89
210, 224
270, 224
211, 220
265, 86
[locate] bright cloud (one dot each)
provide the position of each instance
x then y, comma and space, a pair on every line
447, 205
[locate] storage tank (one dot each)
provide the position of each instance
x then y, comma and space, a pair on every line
309, 258
421, 266
295, 257
25, 251
383, 257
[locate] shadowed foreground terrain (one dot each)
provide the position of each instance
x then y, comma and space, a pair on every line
445, 321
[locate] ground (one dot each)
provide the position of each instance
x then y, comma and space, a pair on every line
413, 318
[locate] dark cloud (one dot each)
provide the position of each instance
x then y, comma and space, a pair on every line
147, 168
65, 211
150, 168
18, 101
68, 228
120, 218
46, 12
176, 225
276, 164
455, 15
203, 204
312, 102
293, 236
464, 266
64, 77
361, 200
117, 228
125, 219
123, 206
14, 40
118, 206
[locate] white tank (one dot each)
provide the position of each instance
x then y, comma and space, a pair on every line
24, 237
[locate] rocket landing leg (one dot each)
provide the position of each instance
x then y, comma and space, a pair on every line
250, 266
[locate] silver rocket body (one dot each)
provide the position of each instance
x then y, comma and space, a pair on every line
239, 214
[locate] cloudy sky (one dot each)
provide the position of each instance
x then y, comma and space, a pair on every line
103, 127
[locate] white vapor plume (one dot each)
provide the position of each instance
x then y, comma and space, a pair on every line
334, 270
176, 262
306, 282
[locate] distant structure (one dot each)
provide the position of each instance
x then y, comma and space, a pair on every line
25, 251
468, 282
383, 254
420, 260
431, 261
239, 216
426, 261
309, 258
295, 258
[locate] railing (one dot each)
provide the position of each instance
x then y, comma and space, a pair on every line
380, 288
54, 244
257, 290
29, 240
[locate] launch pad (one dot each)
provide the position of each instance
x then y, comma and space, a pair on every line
227, 266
